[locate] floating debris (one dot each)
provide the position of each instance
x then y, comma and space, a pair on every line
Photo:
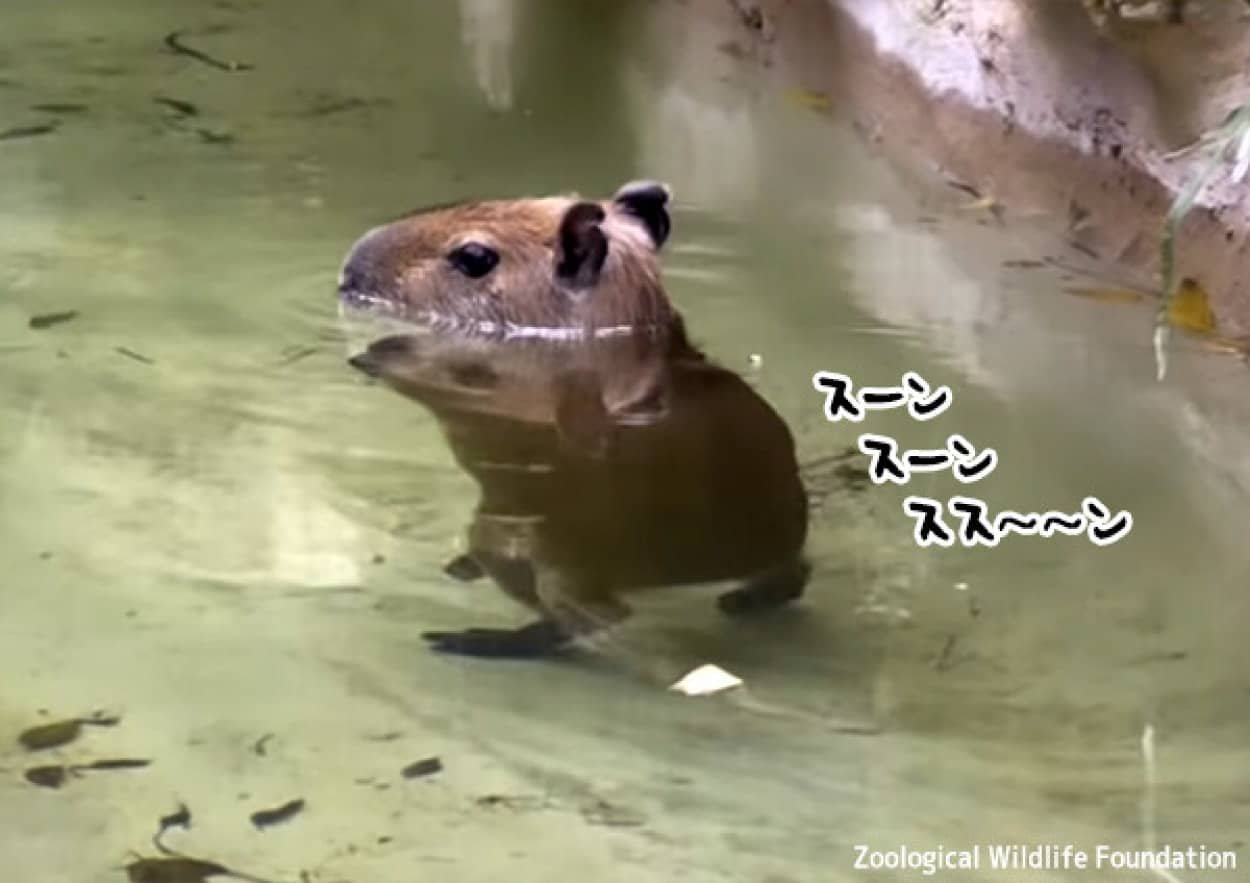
28, 131
705, 680
176, 45
182, 108
965, 187
47, 320
1190, 308
175, 870
1227, 346
47, 776
295, 354
1108, 295
53, 735
120, 763
266, 818
58, 733
986, 204
210, 137
427, 767
1164, 656
385, 737
183, 869
179, 819
810, 99
56, 775
513, 802
131, 354
1084, 249
56, 107
327, 105
600, 812
944, 661
258, 747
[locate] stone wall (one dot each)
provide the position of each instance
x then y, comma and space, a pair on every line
1044, 107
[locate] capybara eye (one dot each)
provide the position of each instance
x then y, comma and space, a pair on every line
474, 259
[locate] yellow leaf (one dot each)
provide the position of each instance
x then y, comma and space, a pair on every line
1227, 346
984, 203
1108, 295
1190, 309
809, 99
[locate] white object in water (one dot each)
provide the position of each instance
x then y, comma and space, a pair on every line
706, 679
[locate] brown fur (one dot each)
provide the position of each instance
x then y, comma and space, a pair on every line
606, 463
605, 468
402, 266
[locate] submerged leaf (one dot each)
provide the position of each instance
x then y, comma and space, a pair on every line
267, 817
120, 763
809, 99
173, 870
52, 735
47, 776
988, 204
1190, 308
1108, 295
427, 767
985, 202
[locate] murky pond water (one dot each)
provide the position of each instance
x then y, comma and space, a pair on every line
214, 528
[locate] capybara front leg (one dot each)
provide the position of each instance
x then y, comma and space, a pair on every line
540, 638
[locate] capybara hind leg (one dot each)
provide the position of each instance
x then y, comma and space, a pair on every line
768, 590
581, 604
540, 638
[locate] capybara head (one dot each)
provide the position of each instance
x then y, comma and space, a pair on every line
519, 267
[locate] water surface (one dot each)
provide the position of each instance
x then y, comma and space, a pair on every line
212, 526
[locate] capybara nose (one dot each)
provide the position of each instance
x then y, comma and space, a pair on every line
352, 280
359, 287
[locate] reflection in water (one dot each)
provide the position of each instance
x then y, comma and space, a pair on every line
487, 29
694, 111
606, 466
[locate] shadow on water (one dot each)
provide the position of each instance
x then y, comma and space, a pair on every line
211, 525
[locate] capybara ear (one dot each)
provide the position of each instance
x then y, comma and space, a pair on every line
582, 247
648, 202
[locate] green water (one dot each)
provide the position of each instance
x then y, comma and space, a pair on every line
212, 527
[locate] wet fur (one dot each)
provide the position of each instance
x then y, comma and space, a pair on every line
402, 267
604, 469
605, 464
